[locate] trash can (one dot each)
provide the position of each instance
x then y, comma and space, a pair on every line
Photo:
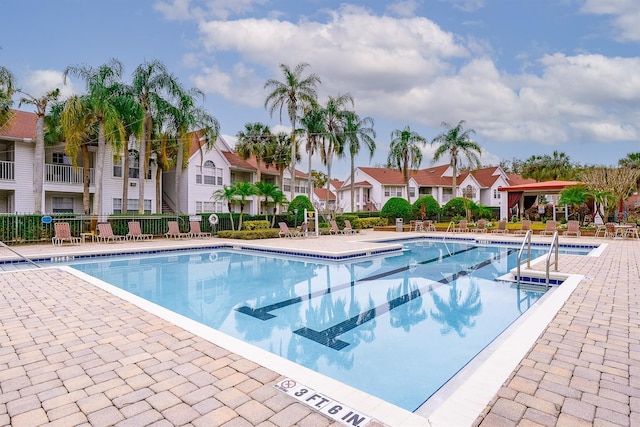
399, 225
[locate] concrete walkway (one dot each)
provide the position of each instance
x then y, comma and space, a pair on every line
73, 354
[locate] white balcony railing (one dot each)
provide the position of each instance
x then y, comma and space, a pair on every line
7, 170
64, 174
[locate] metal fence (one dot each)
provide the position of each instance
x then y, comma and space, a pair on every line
31, 228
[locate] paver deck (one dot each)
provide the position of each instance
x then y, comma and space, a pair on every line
73, 354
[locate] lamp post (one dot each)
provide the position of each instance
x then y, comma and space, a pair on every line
295, 212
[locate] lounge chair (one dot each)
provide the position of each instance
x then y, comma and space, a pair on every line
502, 228
335, 230
481, 227
348, 228
573, 229
63, 234
174, 231
550, 228
194, 230
284, 230
135, 233
105, 233
526, 226
462, 227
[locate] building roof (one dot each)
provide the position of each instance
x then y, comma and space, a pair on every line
21, 126
236, 162
541, 187
386, 175
321, 194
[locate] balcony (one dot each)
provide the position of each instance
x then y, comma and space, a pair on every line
64, 174
7, 171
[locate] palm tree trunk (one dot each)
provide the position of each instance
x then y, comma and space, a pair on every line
309, 176
98, 169
179, 160
352, 183
38, 167
86, 167
142, 163
158, 189
125, 180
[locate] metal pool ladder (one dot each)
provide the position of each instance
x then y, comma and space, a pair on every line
525, 243
553, 251
4, 245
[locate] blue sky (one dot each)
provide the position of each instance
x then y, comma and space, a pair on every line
529, 76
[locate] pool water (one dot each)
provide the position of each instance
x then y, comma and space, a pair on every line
397, 327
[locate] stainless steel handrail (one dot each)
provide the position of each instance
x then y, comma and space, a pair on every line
554, 245
527, 242
4, 245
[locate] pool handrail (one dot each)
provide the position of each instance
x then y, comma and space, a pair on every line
30, 261
525, 243
553, 249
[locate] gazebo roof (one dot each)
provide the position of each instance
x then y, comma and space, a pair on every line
547, 187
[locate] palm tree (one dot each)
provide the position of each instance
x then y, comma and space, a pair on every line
295, 93
279, 200
358, 130
227, 194
38, 161
455, 142
152, 86
184, 118
266, 190
7, 89
335, 115
404, 153
313, 128
99, 106
244, 190
279, 154
632, 161
253, 140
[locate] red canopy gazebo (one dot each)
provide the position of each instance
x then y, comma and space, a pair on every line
516, 194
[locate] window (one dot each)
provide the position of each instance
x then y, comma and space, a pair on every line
390, 191
134, 164
412, 191
117, 168
496, 193
132, 206
60, 159
202, 207
287, 184
62, 204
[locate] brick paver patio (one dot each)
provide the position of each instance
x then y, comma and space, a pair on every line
74, 354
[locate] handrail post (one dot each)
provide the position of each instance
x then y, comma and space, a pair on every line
554, 249
527, 242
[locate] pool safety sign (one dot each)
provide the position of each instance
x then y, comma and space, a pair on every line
323, 404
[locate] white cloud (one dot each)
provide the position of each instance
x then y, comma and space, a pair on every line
467, 5
37, 83
240, 85
180, 10
625, 15
405, 8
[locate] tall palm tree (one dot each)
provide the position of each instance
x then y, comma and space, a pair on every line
456, 142
184, 118
335, 115
253, 140
153, 87
632, 161
38, 161
227, 194
312, 123
405, 153
295, 93
102, 86
358, 131
7, 89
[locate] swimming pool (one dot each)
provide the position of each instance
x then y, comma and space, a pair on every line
397, 326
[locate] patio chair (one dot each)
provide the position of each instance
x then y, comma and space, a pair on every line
632, 231
63, 234
174, 231
105, 234
135, 233
502, 227
481, 227
610, 230
194, 229
526, 226
573, 229
601, 229
284, 230
549, 229
348, 229
462, 227
428, 225
334, 228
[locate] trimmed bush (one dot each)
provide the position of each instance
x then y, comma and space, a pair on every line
455, 207
300, 203
362, 223
256, 225
397, 207
268, 233
431, 207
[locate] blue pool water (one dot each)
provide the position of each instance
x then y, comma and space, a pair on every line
397, 327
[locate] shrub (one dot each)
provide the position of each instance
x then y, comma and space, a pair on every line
256, 225
396, 207
431, 207
268, 233
362, 223
300, 203
455, 207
